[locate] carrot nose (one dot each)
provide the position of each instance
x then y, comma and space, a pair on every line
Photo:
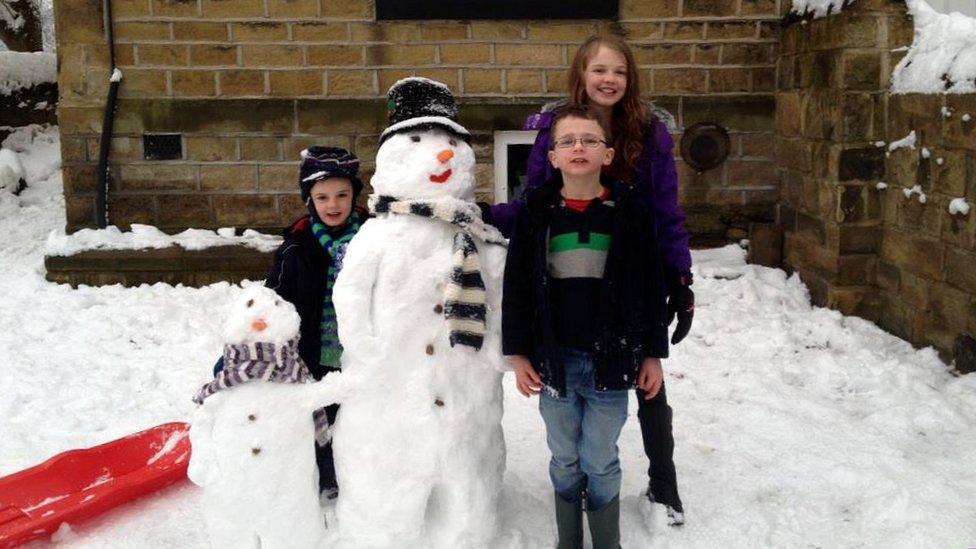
259, 325
445, 155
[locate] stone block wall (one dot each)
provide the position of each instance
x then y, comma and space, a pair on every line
249, 83
864, 250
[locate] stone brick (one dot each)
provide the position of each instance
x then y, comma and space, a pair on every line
894, 316
530, 55
862, 117
789, 113
272, 56
918, 112
136, 32
931, 330
320, 31
729, 80
291, 207
140, 83
858, 239
901, 30
482, 81
294, 83
959, 133
213, 55
922, 256
443, 31
679, 80
347, 9
292, 8
195, 31
348, 82
662, 54
558, 82
384, 31
497, 30
232, 8
759, 7
125, 210
211, 149
158, 177
706, 54
400, 55
954, 307
241, 82
79, 211
162, 55
764, 79
465, 54
747, 54
709, 8
228, 177
856, 269
79, 178
722, 30
73, 149
194, 83
765, 245
254, 210
956, 169
751, 173
738, 113
123, 9
185, 210
366, 146
636, 32
336, 117
277, 177
174, 8
523, 81
959, 269
259, 31
888, 276
862, 70
335, 56
864, 163
260, 148
648, 9
684, 30
559, 32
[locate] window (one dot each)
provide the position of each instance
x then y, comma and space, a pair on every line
511, 151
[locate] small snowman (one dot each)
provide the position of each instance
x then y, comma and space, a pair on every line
420, 451
253, 436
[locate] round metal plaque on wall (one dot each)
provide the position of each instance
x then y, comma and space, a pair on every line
705, 145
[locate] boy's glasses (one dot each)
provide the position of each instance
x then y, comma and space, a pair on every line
587, 141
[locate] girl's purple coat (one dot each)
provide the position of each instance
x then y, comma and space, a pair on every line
656, 179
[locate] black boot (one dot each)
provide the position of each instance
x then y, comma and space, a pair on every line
605, 525
655, 421
569, 523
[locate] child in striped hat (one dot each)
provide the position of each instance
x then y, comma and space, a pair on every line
307, 262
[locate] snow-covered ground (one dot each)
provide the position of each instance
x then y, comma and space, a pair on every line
795, 426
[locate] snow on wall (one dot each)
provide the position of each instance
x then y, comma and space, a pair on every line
146, 236
26, 69
819, 8
942, 57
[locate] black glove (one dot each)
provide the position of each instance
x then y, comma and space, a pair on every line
681, 302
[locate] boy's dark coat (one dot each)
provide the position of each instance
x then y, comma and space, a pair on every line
633, 313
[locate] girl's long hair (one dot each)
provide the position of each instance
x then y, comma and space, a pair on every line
627, 122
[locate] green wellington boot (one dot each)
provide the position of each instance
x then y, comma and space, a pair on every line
569, 523
605, 525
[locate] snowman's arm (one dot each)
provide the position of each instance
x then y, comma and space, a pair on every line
334, 388
494, 267
201, 441
352, 294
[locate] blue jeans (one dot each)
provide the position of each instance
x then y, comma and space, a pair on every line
582, 429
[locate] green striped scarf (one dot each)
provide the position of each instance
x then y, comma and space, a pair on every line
335, 245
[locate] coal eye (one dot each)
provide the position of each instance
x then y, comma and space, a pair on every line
250, 302
277, 302
415, 138
453, 142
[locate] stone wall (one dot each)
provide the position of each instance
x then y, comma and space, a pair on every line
249, 83
861, 249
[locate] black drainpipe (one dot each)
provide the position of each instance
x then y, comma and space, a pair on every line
101, 198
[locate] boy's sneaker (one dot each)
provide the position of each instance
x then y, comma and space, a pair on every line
676, 513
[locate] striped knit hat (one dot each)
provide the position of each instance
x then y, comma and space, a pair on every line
323, 162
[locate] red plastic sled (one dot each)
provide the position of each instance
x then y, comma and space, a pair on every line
78, 484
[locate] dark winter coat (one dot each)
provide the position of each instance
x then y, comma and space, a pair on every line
632, 321
299, 276
656, 180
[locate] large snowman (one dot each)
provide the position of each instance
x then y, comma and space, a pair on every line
420, 451
253, 436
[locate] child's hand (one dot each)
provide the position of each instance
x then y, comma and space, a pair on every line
650, 376
527, 380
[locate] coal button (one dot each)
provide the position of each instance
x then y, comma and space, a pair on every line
430, 349
438, 308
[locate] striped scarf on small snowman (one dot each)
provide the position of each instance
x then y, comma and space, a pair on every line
268, 362
464, 295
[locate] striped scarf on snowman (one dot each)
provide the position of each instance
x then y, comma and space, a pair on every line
464, 295
268, 362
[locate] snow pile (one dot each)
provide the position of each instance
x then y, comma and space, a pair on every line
12, 174
794, 425
907, 141
958, 206
819, 8
146, 236
942, 58
20, 70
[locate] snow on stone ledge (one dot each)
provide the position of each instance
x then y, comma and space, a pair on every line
942, 58
819, 8
146, 236
26, 69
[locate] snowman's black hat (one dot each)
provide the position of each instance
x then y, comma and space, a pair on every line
417, 103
